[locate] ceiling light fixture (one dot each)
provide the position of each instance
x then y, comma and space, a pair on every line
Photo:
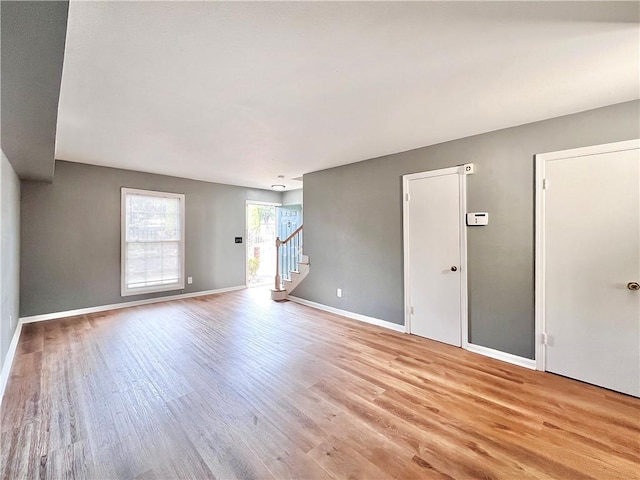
279, 186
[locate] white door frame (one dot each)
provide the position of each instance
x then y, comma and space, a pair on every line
462, 171
246, 234
540, 269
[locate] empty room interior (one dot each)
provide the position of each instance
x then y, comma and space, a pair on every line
316, 240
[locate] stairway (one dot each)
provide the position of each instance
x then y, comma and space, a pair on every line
290, 252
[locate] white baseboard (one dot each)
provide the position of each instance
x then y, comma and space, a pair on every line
8, 361
115, 306
345, 313
486, 351
505, 357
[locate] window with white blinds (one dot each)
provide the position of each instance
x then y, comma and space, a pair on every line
152, 241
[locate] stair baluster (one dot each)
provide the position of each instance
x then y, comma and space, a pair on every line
288, 260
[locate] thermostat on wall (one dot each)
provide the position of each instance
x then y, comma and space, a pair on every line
477, 218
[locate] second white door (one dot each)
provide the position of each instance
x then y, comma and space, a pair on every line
433, 256
592, 267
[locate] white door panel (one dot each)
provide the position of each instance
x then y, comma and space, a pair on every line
592, 245
434, 247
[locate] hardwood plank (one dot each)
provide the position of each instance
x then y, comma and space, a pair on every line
237, 386
343, 461
219, 440
68, 462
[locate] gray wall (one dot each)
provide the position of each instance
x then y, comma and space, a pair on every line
71, 236
292, 197
9, 254
33, 39
353, 223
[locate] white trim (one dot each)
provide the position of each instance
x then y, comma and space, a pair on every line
256, 202
539, 271
179, 285
591, 150
540, 266
405, 245
354, 316
116, 306
8, 360
462, 171
504, 356
464, 306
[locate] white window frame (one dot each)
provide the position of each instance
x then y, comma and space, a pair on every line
124, 291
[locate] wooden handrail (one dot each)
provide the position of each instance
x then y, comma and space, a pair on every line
295, 232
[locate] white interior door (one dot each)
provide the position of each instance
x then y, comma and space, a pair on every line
433, 256
592, 256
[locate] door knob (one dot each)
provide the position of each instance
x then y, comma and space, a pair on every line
455, 269
633, 286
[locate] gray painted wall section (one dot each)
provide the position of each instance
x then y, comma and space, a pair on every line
33, 37
353, 223
71, 236
9, 254
292, 197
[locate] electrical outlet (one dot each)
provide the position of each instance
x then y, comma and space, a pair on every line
189, 280
339, 292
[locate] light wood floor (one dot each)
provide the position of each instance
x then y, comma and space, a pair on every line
236, 386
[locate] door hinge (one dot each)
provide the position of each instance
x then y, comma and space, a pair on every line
411, 310
406, 197
545, 339
544, 183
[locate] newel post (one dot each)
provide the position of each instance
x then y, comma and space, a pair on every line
278, 283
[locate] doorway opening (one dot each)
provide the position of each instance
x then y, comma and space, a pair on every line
261, 243
289, 220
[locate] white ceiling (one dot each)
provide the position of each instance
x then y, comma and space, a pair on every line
240, 93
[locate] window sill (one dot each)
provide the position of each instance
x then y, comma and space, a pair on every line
146, 290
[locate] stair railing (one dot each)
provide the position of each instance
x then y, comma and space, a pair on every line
288, 255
